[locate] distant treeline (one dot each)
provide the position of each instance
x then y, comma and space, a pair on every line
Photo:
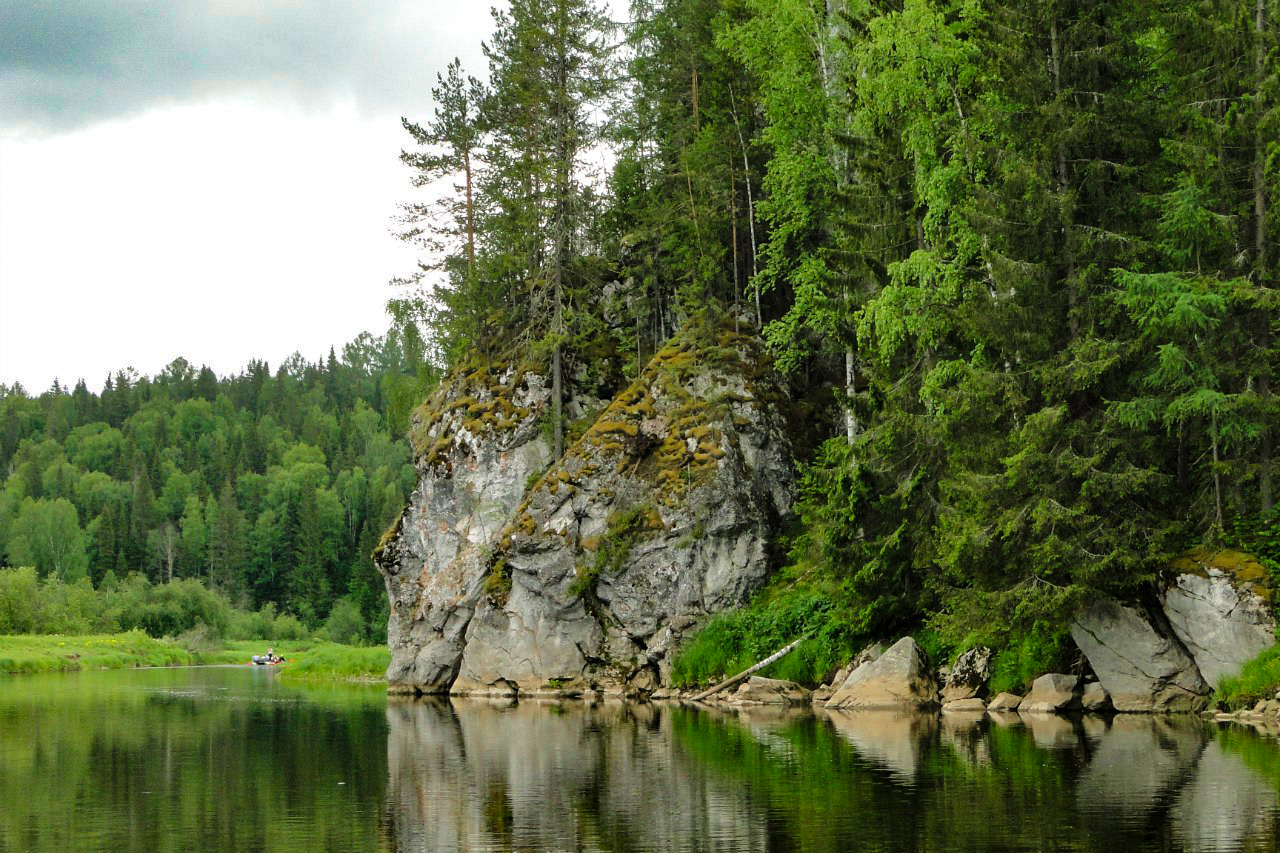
271, 488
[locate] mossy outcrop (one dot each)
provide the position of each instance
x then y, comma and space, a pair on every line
511, 571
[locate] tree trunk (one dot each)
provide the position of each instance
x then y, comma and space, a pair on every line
1266, 499
751, 670
751, 209
1064, 184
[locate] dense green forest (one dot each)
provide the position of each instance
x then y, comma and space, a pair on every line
1016, 260
270, 488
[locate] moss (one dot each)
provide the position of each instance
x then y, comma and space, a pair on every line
387, 535
623, 530
497, 583
1243, 568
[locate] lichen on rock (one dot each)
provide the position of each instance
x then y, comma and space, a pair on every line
512, 570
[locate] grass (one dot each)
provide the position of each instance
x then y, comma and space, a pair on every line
735, 640
1258, 679
334, 662
306, 660
55, 652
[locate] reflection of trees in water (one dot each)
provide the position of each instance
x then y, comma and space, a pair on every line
180, 761
478, 777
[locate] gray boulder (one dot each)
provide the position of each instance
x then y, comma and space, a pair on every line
968, 676
973, 703
1141, 668
769, 691
1095, 698
1053, 693
899, 678
1222, 618
1005, 702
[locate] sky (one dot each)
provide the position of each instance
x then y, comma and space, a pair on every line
211, 179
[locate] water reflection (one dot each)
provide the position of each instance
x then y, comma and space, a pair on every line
231, 760
476, 776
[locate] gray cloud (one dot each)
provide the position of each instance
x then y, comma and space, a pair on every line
66, 64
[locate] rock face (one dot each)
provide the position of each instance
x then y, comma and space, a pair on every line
1051, 694
968, 676
1221, 612
769, 691
511, 571
899, 678
1141, 668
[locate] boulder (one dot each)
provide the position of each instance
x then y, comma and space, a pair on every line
1005, 702
899, 678
1095, 698
973, 703
1219, 608
826, 691
968, 676
769, 691
1053, 693
1142, 668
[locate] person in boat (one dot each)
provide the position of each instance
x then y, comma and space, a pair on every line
269, 657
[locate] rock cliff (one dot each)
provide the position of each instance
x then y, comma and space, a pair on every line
511, 571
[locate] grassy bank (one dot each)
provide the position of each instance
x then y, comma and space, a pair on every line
306, 660
55, 652
1258, 679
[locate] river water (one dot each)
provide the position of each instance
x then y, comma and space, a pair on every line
230, 759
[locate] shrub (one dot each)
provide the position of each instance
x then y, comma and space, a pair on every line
345, 624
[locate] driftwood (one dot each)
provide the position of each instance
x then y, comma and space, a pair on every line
773, 658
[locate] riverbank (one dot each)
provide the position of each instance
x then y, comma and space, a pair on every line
305, 660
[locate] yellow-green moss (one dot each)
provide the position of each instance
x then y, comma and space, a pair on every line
1243, 568
387, 535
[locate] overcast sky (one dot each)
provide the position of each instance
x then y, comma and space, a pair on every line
214, 179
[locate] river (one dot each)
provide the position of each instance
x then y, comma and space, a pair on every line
231, 759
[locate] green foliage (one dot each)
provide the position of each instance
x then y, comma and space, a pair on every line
345, 624
1026, 658
267, 488
58, 652
735, 640
334, 662
1258, 679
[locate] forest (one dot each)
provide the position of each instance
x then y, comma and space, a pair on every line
267, 490
1016, 263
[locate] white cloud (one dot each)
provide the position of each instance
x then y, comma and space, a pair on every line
219, 232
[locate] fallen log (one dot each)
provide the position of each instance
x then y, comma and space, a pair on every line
752, 670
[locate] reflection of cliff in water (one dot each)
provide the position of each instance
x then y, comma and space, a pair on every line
473, 776
480, 776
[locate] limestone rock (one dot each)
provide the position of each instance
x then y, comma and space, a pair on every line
899, 678
826, 691
769, 691
1095, 698
513, 570
973, 703
1052, 693
968, 676
1005, 702
1141, 668
1220, 611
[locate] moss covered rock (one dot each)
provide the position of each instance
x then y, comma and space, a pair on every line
513, 570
